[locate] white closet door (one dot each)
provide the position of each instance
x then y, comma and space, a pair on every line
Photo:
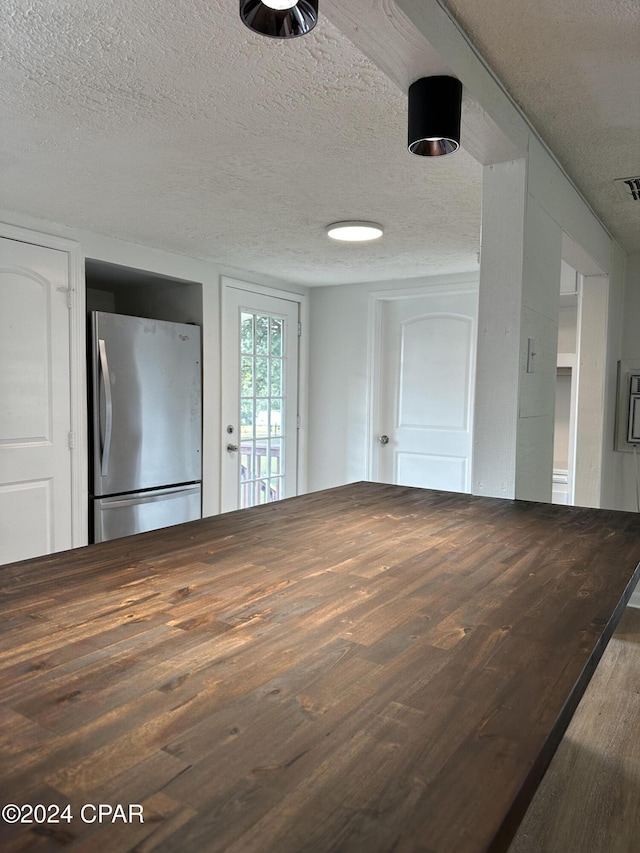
427, 363
35, 412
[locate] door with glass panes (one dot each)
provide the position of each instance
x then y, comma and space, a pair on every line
259, 398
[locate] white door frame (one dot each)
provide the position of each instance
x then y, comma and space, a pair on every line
439, 286
303, 363
588, 428
588, 433
77, 371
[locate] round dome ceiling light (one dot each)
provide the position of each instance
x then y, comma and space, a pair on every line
283, 19
435, 110
355, 231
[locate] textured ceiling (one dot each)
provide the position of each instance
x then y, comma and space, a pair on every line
574, 68
168, 123
171, 125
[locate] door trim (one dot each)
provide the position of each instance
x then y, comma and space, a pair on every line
301, 299
77, 370
591, 386
438, 286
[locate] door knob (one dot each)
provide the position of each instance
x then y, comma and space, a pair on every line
384, 439
232, 448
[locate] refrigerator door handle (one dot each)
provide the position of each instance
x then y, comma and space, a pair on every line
154, 497
138, 512
108, 410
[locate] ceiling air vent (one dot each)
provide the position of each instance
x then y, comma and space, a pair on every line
629, 188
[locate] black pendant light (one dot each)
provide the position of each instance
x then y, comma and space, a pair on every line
282, 19
435, 109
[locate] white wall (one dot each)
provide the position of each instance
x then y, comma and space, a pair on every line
533, 218
589, 248
631, 314
624, 481
519, 298
542, 256
337, 385
498, 347
562, 420
567, 329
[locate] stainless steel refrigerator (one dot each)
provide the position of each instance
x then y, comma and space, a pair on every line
146, 404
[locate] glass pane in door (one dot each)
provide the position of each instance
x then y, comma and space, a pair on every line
262, 408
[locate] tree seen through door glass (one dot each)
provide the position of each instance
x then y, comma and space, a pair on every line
261, 408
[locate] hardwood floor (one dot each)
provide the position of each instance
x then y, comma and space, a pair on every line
589, 799
367, 669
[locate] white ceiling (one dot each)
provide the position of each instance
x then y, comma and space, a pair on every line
168, 123
574, 68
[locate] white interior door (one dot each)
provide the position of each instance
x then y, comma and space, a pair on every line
423, 423
35, 409
259, 398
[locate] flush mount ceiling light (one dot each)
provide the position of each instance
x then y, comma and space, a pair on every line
354, 231
435, 109
283, 19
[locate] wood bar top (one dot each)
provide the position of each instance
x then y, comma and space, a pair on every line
366, 669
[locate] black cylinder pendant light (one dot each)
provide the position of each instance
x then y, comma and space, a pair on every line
435, 109
283, 19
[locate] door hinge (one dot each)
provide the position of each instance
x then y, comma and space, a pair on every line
71, 440
299, 330
298, 422
70, 298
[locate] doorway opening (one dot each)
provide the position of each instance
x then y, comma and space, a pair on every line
581, 379
566, 387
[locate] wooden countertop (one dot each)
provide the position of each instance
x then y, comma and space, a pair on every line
369, 668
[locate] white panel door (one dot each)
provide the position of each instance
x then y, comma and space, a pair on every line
35, 411
259, 398
423, 427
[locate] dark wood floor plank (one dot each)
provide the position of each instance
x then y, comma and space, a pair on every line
589, 799
368, 668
